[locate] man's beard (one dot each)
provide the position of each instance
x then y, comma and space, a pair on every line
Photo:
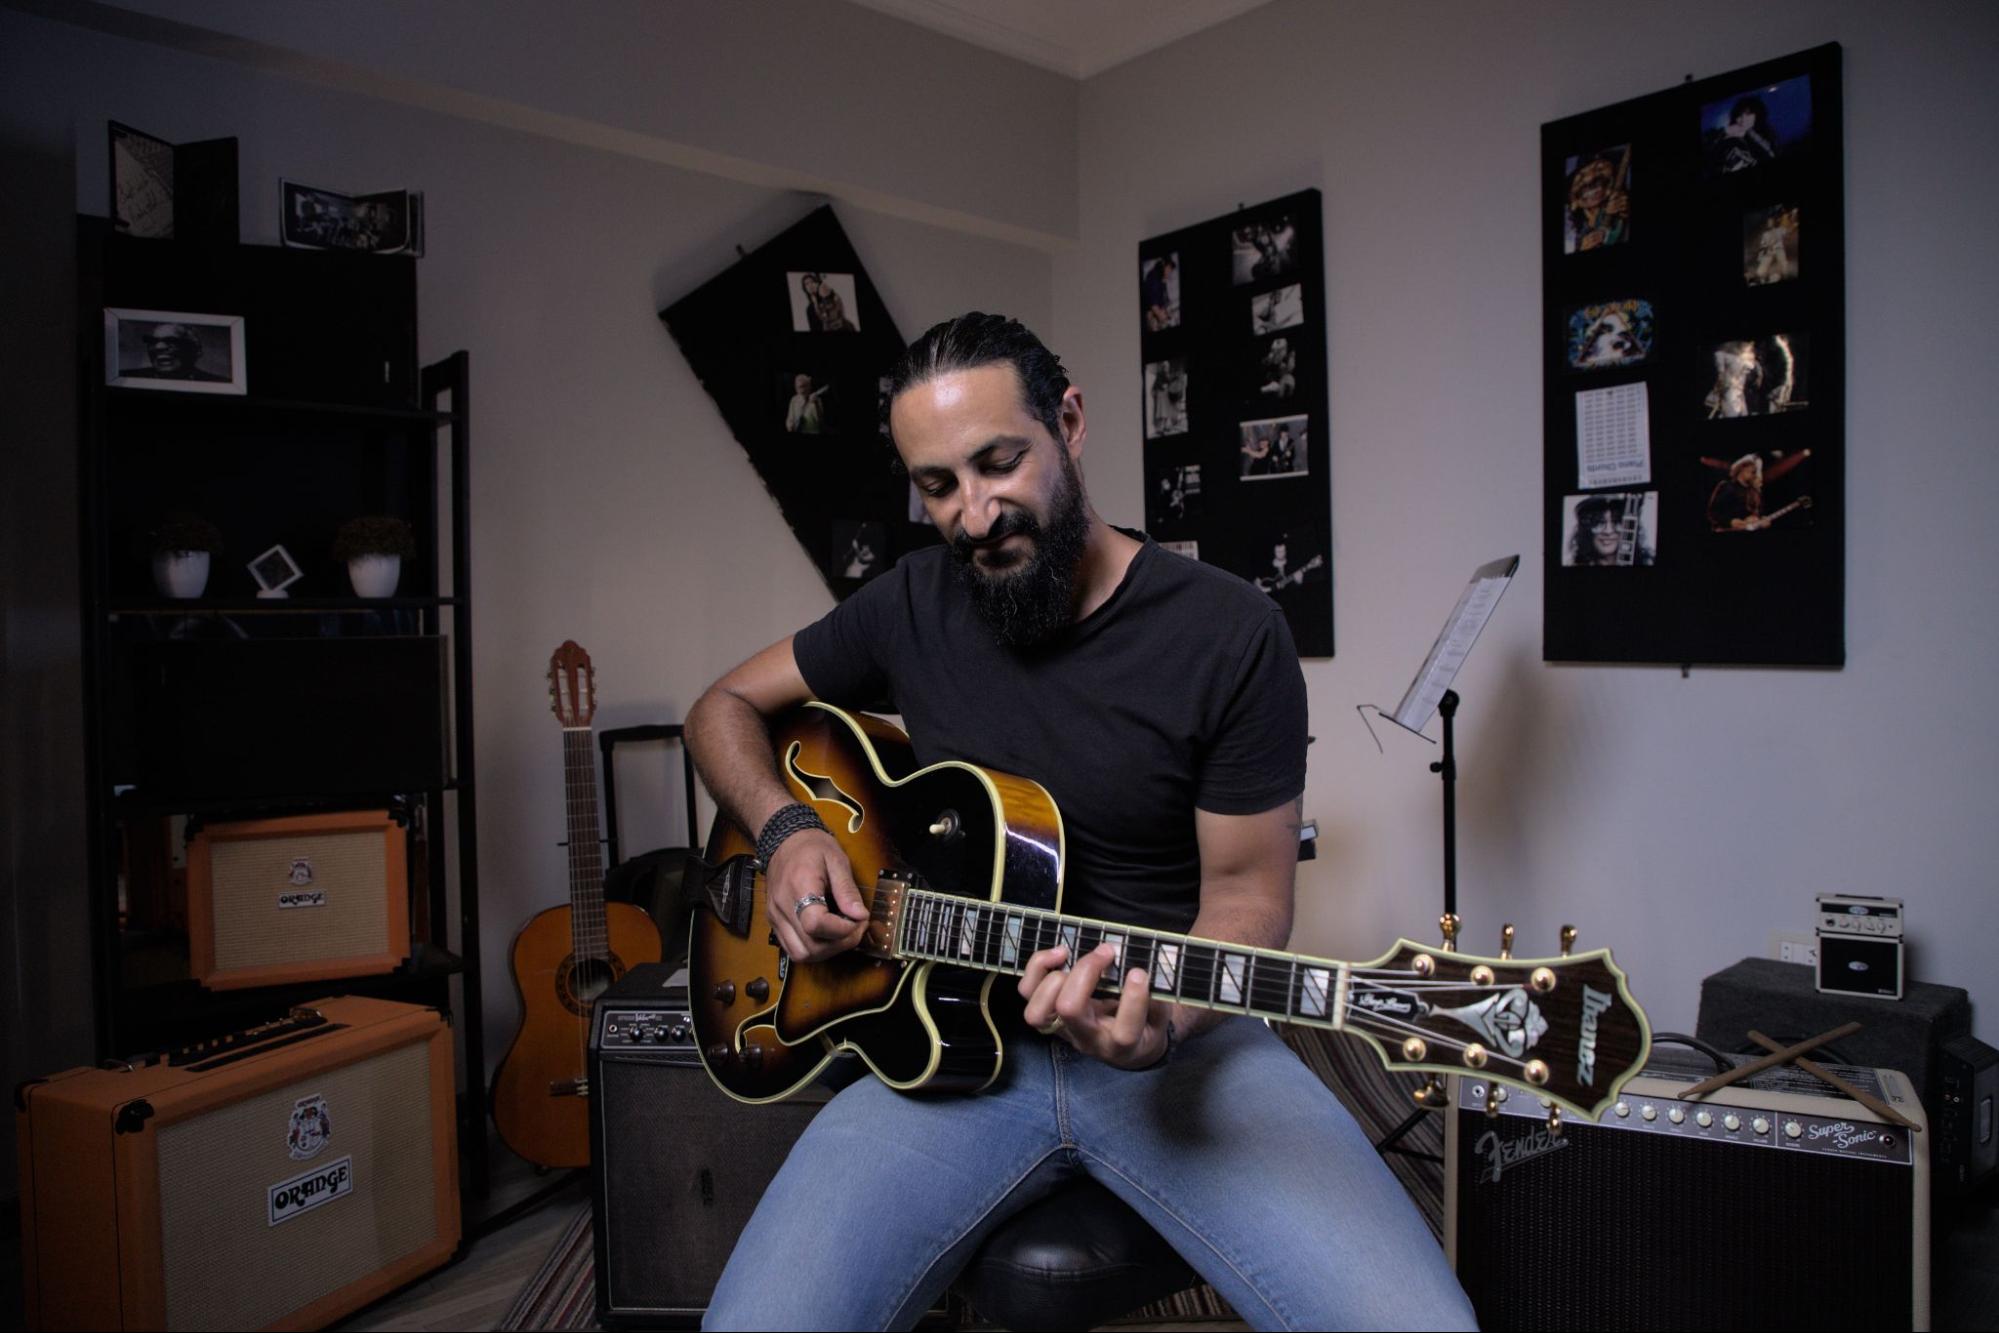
1030, 601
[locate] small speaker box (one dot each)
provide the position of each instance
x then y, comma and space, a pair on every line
281, 1177
1860, 965
677, 1166
309, 898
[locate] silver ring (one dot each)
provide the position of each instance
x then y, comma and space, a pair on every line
798, 908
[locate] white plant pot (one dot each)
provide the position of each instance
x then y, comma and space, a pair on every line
375, 575
181, 574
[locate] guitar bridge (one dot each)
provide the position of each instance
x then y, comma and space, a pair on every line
569, 1087
890, 885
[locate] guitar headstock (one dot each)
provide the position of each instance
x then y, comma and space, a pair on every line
1563, 1028
572, 685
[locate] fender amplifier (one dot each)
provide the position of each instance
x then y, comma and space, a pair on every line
676, 1165
280, 1177
1770, 1204
309, 898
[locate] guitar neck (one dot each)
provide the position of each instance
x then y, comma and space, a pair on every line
1264, 983
588, 928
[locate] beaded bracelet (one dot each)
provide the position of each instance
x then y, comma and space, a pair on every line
794, 818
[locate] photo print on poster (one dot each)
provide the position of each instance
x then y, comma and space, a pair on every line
1759, 377
1273, 369
1166, 398
1756, 126
1266, 248
1770, 245
823, 303
1610, 529
388, 223
1610, 334
859, 549
1759, 492
1614, 436
1281, 309
1172, 494
1273, 448
1285, 559
808, 403
1192, 550
1598, 211
1159, 292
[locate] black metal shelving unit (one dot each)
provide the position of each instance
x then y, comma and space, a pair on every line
341, 420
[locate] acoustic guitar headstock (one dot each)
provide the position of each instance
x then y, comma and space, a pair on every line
572, 685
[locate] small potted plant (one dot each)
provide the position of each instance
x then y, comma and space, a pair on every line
374, 549
182, 547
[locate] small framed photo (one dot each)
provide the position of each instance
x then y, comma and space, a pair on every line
388, 223
275, 570
172, 350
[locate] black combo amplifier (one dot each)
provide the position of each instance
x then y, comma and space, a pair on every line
1967, 1141
1774, 1203
677, 1166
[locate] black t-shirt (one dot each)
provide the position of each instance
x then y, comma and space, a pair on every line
1182, 690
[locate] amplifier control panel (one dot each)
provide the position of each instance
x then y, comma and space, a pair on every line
648, 1027
1831, 1126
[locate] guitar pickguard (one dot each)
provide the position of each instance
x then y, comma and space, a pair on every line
821, 787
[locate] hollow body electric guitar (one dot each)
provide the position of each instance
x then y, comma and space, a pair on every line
565, 957
961, 868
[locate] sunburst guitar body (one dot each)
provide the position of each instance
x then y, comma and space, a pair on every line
565, 957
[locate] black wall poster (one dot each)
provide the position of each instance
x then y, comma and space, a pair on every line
1233, 403
793, 344
1693, 280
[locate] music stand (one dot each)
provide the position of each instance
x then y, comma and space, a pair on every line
1431, 692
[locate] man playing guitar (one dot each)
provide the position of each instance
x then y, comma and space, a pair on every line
1160, 702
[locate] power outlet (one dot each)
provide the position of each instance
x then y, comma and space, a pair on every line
1791, 946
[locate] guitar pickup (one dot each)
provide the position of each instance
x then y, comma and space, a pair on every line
730, 891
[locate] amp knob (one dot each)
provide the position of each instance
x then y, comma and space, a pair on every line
1792, 1129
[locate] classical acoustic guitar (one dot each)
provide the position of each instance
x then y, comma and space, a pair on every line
565, 957
961, 868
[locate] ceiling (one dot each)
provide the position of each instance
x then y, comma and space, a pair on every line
1074, 37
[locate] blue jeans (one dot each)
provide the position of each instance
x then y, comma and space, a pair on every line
1234, 1151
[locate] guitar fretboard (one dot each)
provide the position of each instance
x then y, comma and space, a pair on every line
589, 932
998, 937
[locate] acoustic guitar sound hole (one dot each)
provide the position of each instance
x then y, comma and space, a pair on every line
583, 979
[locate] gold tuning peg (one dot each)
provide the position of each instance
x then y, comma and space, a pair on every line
1568, 939
1431, 1093
1492, 1101
1554, 1122
1506, 940
1448, 923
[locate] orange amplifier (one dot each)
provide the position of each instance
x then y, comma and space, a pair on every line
309, 898
280, 1177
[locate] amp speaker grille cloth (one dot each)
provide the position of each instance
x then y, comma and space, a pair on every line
1632, 1230
683, 1169
251, 930
226, 1266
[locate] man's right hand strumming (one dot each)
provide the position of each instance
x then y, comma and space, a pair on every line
809, 868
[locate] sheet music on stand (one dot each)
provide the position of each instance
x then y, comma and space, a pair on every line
1448, 653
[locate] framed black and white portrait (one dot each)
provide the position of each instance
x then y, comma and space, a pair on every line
173, 350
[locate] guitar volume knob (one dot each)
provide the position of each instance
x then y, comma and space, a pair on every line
726, 992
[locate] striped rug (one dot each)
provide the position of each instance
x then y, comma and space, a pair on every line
562, 1294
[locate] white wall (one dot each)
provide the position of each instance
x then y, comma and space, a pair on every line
1678, 820
610, 504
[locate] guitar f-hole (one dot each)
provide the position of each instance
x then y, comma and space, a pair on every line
821, 787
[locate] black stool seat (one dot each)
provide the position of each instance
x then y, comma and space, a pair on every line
1076, 1259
